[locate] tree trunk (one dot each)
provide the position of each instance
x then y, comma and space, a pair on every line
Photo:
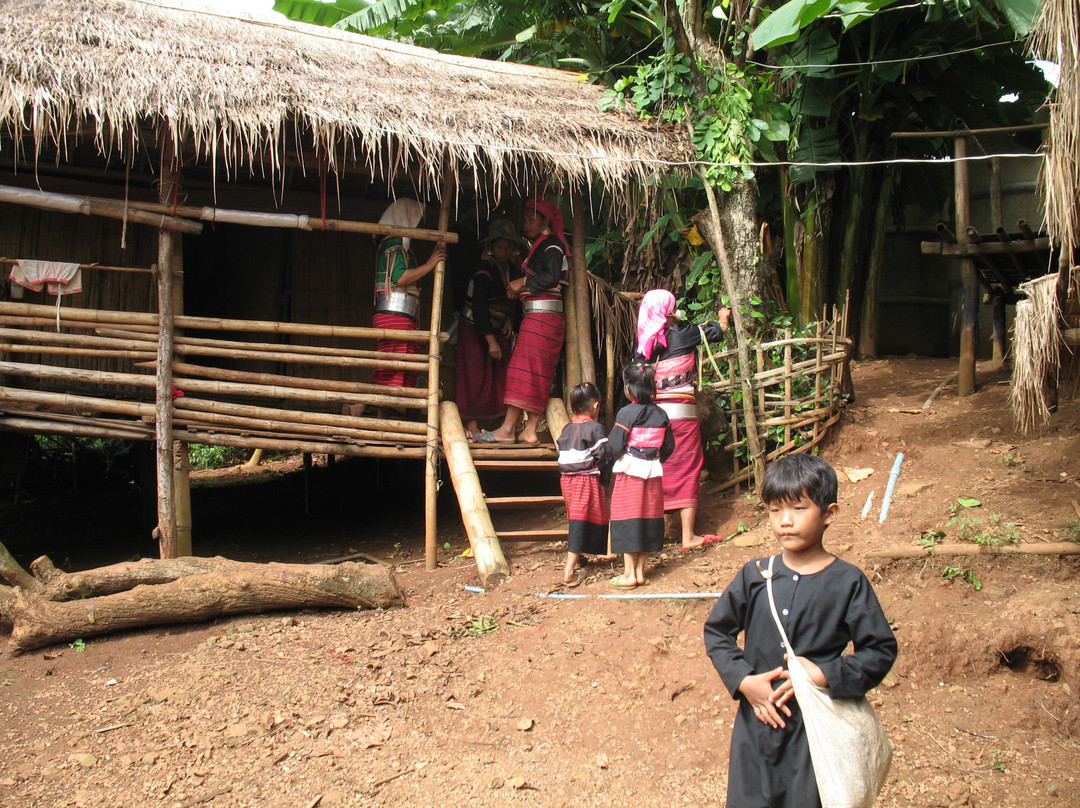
239, 588
59, 585
869, 323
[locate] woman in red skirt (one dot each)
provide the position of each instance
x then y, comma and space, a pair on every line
397, 292
540, 337
483, 346
672, 349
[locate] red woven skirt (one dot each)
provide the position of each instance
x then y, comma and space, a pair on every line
481, 380
385, 376
637, 515
535, 359
587, 510
682, 471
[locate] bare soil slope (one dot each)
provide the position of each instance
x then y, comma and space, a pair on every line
507, 698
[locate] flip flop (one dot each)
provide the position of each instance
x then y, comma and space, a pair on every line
578, 578
615, 582
487, 436
708, 539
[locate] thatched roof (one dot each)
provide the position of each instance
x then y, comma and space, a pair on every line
252, 92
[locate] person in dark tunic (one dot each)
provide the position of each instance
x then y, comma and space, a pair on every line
483, 347
585, 461
641, 441
824, 603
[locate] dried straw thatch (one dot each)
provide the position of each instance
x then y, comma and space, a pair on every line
253, 93
1036, 352
1056, 37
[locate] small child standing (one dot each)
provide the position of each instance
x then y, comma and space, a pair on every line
823, 603
585, 461
641, 441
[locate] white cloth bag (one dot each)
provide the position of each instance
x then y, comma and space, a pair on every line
848, 746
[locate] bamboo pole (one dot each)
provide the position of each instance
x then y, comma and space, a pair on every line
312, 447
189, 404
1050, 548
66, 203
53, 338
305, 383
968, 274
42, 398
167, 248
77, 429
582, 303
207, 420
570, 348
289, 221
557, 418
787, 387
431, 469
490, 561
74, 317
612, 374
72, 350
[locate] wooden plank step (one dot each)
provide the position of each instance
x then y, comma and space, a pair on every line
550, 534
523, 503
513, 452
517, 465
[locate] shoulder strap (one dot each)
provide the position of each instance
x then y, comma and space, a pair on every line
768, 576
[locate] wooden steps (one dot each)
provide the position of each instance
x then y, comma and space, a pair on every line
523, 503
518, 465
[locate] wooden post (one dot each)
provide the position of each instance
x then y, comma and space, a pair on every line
968, 275
181, 458
997, 219
490, 561
580, 282
431, 471
612, 376
557, 418
167, 248
573, 355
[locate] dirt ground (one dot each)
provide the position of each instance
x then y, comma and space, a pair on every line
507, 698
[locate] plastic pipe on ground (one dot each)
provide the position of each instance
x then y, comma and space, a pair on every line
894, 475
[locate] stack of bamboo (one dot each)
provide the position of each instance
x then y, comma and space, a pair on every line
48, 388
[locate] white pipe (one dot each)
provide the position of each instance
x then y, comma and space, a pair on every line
894, 475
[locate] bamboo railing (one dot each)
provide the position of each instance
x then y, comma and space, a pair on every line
96, 377
791, 423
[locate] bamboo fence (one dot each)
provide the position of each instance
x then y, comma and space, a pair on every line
797, 401
64, 382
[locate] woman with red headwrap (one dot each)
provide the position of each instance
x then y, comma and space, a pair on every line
540, 337
672, 350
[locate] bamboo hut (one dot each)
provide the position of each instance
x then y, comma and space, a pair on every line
216, 180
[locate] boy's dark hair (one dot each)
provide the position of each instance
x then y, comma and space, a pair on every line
582, 395
790, 477
640, 381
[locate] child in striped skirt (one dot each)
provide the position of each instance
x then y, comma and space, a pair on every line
585, 461
640, 440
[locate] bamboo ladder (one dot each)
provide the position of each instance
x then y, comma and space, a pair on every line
466, 460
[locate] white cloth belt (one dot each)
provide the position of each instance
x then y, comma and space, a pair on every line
542, 305
675, 410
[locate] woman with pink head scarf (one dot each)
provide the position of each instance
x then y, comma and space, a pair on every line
540, 338
672, 350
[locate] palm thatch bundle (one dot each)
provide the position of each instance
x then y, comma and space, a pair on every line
1036, 353
254, 94
1056, 37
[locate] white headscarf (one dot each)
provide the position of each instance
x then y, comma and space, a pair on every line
403, 213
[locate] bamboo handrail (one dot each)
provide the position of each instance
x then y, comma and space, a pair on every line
188, 403
98, 316
85, 205
263, 426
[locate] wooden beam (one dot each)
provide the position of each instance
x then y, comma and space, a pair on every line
168, 245
66, 203
966, 249
957, 133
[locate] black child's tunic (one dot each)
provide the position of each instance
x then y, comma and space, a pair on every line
821, 613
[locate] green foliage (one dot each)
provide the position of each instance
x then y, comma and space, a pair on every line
1073, 532
950, 573
997, 760
203, 456
78, 645
993, 531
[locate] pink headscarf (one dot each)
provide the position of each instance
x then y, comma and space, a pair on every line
550, 211
652, 320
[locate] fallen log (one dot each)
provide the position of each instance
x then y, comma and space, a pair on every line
243, 589
1050, 548
94, 583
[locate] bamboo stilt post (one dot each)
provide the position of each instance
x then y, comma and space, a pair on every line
167, 249
490, 561
181, 457
968, 274
787, 386
431, 475
557, 418
580, 282
573, 355
612, 373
